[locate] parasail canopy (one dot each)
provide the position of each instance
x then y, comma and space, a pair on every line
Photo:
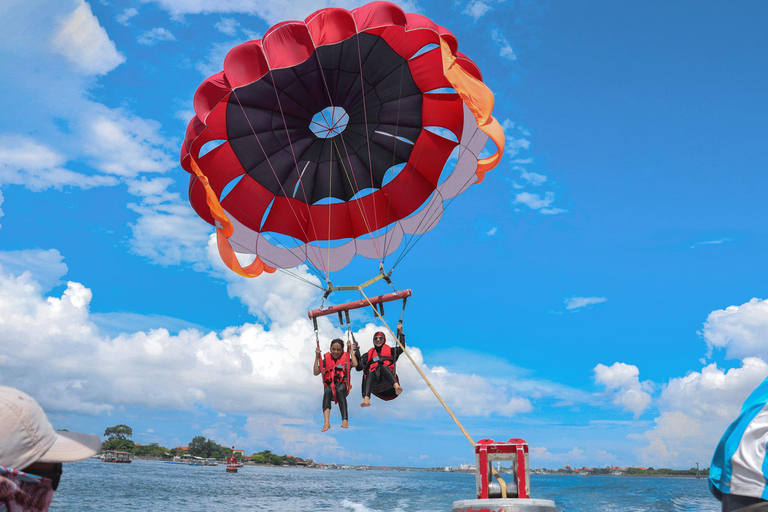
337, 136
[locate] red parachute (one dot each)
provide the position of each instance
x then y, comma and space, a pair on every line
337, 136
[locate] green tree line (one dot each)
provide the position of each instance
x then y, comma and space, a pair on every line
119, 439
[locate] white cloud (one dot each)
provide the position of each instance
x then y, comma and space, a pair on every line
155, 35
581, 302
491, 231
1, 204
271, 12
227, 26
535, 201
532, 178
45, 267
622, 380
695, 411
711, 242
476, 9
505, 48
24, 161
86, 44
214, 60
125, 17
512, 145
157, 369
741, 330
125, 145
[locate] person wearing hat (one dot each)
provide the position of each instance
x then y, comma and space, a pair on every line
31, 453
378, 365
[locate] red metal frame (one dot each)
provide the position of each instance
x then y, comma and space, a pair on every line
485, 449
362, 303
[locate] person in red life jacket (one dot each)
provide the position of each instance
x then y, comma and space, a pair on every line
378, 366
335, 367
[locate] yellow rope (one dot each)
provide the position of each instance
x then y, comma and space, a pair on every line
502, 483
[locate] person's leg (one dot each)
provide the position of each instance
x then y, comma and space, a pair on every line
388, 376
370, 380
341, 396
327, 399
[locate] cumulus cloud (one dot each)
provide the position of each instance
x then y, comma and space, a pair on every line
83, 41
271, 12
695, 411
576, 303
25, 161
741, 330
154, 36
623, 383
95, 372
46, 267
125, 145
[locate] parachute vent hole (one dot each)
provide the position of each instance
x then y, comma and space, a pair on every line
362, 193
266, 214
424, 49
229, 186
329, 122
443, 132
209, 146
442, 90
392, 173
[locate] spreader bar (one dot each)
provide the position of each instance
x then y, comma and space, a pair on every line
362, 303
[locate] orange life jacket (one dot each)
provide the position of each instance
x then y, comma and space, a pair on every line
386, 358
335, 372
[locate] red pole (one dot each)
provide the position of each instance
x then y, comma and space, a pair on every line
387, 297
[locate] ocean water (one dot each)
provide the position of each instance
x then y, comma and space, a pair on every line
154, 486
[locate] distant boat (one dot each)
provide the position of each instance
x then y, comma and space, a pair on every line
210, 461
115, 456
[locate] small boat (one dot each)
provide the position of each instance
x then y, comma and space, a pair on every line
232, 462
115, 456
210, 461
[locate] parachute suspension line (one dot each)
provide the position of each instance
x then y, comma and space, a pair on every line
298, 219
330, 189
359, 203
479, 99
388, 235
405, 351
367, 140
356, 187
433, 219
310, 265
407, 187
296, 163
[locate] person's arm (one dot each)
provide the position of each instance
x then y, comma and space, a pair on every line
352, 356
356, 351
318, 354
399, 349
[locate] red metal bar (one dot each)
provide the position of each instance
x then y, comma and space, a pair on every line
387, 297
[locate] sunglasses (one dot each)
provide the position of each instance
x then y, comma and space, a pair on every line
53, 474
379, 338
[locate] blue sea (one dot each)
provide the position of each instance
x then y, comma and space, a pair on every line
154, 486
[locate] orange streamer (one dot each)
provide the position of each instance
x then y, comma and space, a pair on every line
479, 99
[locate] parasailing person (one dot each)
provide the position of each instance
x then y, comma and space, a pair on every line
379, 368
335, 367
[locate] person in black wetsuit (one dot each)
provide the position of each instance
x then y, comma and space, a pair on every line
378, 368
335, 367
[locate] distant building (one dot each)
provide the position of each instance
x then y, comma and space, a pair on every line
182, 448
241, 452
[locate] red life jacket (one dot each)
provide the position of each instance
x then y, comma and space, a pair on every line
335, 372
386, 358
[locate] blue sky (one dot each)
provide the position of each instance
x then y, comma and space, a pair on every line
600, 295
